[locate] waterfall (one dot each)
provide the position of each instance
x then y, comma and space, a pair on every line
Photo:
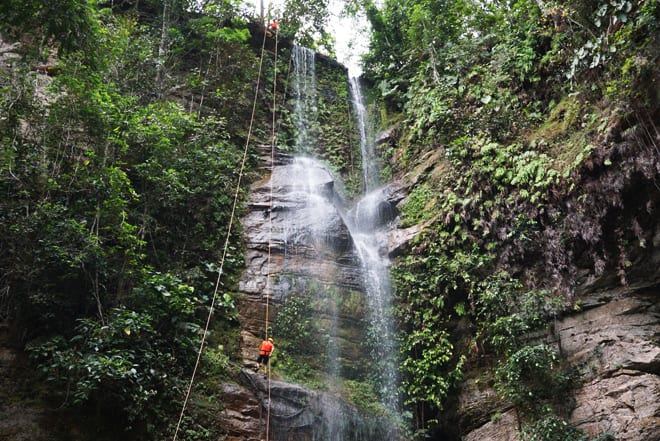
369, 163
369, 216
309, 178
306, 108
353, 350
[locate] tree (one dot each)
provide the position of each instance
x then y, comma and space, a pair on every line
122, 196
71, 25
306, 22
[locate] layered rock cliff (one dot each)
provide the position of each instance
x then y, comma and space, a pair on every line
608, 339
298, 244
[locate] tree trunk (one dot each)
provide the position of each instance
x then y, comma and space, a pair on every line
162, 47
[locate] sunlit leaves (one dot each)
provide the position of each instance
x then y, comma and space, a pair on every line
424, 283
426, 367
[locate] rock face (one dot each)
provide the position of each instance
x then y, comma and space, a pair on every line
295, 413
616, 341
298, 241
614, 344
295, 237
502, 428
625, 405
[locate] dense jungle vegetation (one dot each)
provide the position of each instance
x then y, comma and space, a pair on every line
533, 125
123, 125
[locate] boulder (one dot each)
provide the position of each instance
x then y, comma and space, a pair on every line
290, 412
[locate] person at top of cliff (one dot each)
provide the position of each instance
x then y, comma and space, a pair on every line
265, 351
271, 28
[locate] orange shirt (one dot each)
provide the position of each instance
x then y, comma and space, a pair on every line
266, 348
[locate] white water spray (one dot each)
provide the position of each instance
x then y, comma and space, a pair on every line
306, 99
310, 192
369, 217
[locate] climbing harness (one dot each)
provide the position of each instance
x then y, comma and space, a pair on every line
229, 230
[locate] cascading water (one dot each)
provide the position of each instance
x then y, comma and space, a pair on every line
369, 163
306, 102
369, 216
309, 180
310, 174
310, 219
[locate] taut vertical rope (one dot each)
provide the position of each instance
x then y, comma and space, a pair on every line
273, 143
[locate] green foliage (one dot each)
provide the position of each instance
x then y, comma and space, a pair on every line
418, 206
335, 143
532, 375
295, 325
407, 38
363, 396
534, 380
510, 168
130, 357
551, 428
218, 69
71, 24
130, 361
423, 284
607, 20
124, 197
216, 363
305, 21
429, 356
506, 315
630, 68
299, 339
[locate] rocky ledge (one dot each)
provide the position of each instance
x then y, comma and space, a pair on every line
288, 411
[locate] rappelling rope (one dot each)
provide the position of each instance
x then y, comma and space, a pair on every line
226, 246
273, 143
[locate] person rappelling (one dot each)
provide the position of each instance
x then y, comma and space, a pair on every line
265, 351
272, 28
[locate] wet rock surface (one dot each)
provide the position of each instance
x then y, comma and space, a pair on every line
281, 232
289, 411
285, 257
